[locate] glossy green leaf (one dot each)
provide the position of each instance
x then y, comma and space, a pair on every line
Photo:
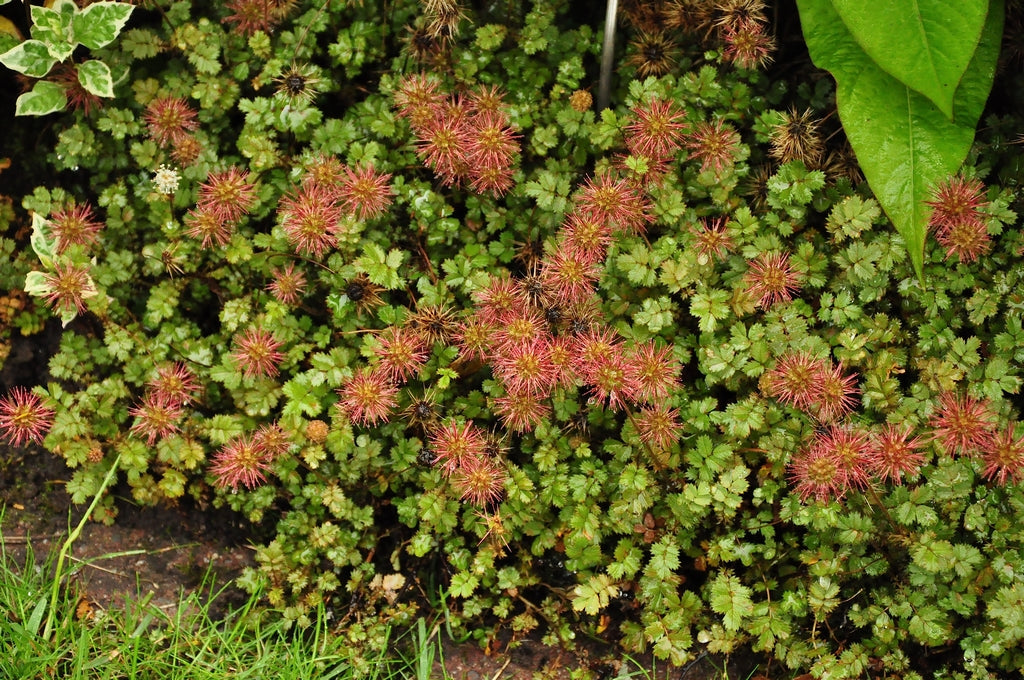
45, 97
925, 44
42, 241
98, 24
95, 77
31, 57
904, 144
52, 26
36, 284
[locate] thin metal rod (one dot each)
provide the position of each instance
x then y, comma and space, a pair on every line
604, 88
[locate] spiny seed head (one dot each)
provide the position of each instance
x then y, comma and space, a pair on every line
771, 279
156, 416
365, 192
569, 278
659, 426
1004, 458
176, 381
240, 462
616, 202
299, 84
473, 336
520, 412
895, 453
402, 352
288, 284
587, 236
68, 286
487, 98
797, 138
227, 194
653, 54
747, 46
968, 240
168, 118
957, 200
739, 13
364, 293
482, 482
836, 462
273, 439
75, 224
656, 130
526, 367
657, 371
434, 324
257, 353
368, 397
712, 240
715, 145
421, 411
186, 150
963, 424
423, 45
209, 227
250, 16
837, 393
24, 417
794, 380
310, 218
416, 98
457, 445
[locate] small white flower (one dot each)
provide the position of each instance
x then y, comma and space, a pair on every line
166, 180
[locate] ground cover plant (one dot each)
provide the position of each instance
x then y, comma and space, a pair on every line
381, 277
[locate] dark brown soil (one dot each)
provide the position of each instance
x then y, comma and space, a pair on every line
148, 552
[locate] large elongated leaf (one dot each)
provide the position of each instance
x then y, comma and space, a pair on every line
905, 145
925, 44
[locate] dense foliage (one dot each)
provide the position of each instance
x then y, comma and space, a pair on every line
381, 278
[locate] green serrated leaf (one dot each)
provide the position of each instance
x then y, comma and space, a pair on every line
594, 595
627, 560
95, 77
98, 24
664, 557
905, 145
31, 58
933, 555
710, 306
303, 399
924, 44
731, 599
463, 584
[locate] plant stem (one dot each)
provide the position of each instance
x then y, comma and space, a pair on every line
604, 88
66, 548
